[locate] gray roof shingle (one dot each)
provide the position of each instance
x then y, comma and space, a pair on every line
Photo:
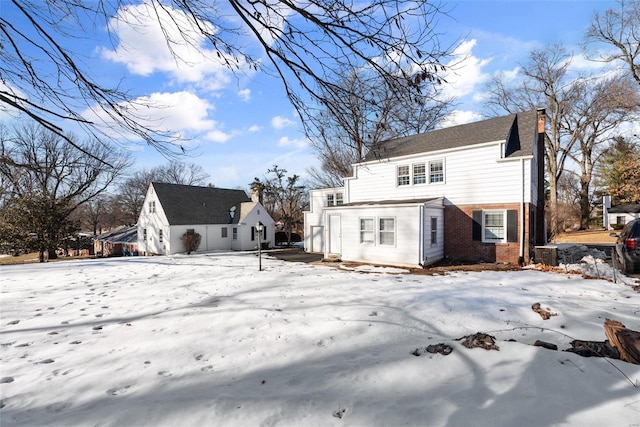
630, 208
188, 204
519, 131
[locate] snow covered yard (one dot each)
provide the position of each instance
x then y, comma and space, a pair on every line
207, 340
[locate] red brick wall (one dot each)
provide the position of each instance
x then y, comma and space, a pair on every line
459, 245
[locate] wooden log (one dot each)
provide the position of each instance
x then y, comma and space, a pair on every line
594, 349
544, 344
626, 341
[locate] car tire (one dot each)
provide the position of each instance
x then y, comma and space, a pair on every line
622, 265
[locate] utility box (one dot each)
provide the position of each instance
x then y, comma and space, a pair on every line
547, 255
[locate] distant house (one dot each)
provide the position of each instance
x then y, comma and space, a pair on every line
619, 215
472, 192
123, 241
225, 219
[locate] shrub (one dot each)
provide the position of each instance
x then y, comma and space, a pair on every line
191, 242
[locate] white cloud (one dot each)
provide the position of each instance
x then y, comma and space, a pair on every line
466, 71
255, 128
217, 136
180, 113
7, 112
460, 117
244, 94
142, 31
280, 122
296, 142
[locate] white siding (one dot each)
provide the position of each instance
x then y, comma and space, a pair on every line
626, 217
211, 234
210, 238
406, 249
433, 253
472, 176
153, 222
314, 218
244, 242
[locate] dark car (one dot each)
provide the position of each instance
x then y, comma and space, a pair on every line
627, 250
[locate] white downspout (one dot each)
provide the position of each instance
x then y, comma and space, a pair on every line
522, 184
421, 238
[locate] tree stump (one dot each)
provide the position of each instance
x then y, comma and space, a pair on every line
626, 341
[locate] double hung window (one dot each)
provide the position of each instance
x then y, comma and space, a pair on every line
419, 174
404, 177
387, 231
436, 171
366, 230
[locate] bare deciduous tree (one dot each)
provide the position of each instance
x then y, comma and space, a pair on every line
342, 130
303, 43
285, 196
49, 179
599, 107
619, 29
546, 83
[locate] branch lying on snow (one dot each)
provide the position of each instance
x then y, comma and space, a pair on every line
545, 314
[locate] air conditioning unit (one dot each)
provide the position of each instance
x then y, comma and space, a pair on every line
547, 255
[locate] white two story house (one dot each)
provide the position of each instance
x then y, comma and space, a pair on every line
472, 192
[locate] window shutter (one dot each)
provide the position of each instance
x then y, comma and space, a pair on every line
476, 232
512, 225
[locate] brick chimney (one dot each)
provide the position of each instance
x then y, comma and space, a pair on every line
542, 119
256, 196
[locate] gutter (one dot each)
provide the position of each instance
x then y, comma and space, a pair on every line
522, 184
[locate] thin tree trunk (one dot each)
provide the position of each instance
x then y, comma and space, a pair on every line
585, 208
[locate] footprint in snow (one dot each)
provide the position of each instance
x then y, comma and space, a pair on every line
57, 407
6, 380
13, 322
118, 390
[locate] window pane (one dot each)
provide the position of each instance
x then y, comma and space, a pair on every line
330, 199
387, 231
434, 230
436, 171
419, 173
403, 175
366, 230
339, 199
494, 226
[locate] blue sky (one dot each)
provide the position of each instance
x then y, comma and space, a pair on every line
243, 125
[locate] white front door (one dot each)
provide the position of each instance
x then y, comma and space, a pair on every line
335, 237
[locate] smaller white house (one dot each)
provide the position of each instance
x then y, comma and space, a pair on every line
619, 215
225, 219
